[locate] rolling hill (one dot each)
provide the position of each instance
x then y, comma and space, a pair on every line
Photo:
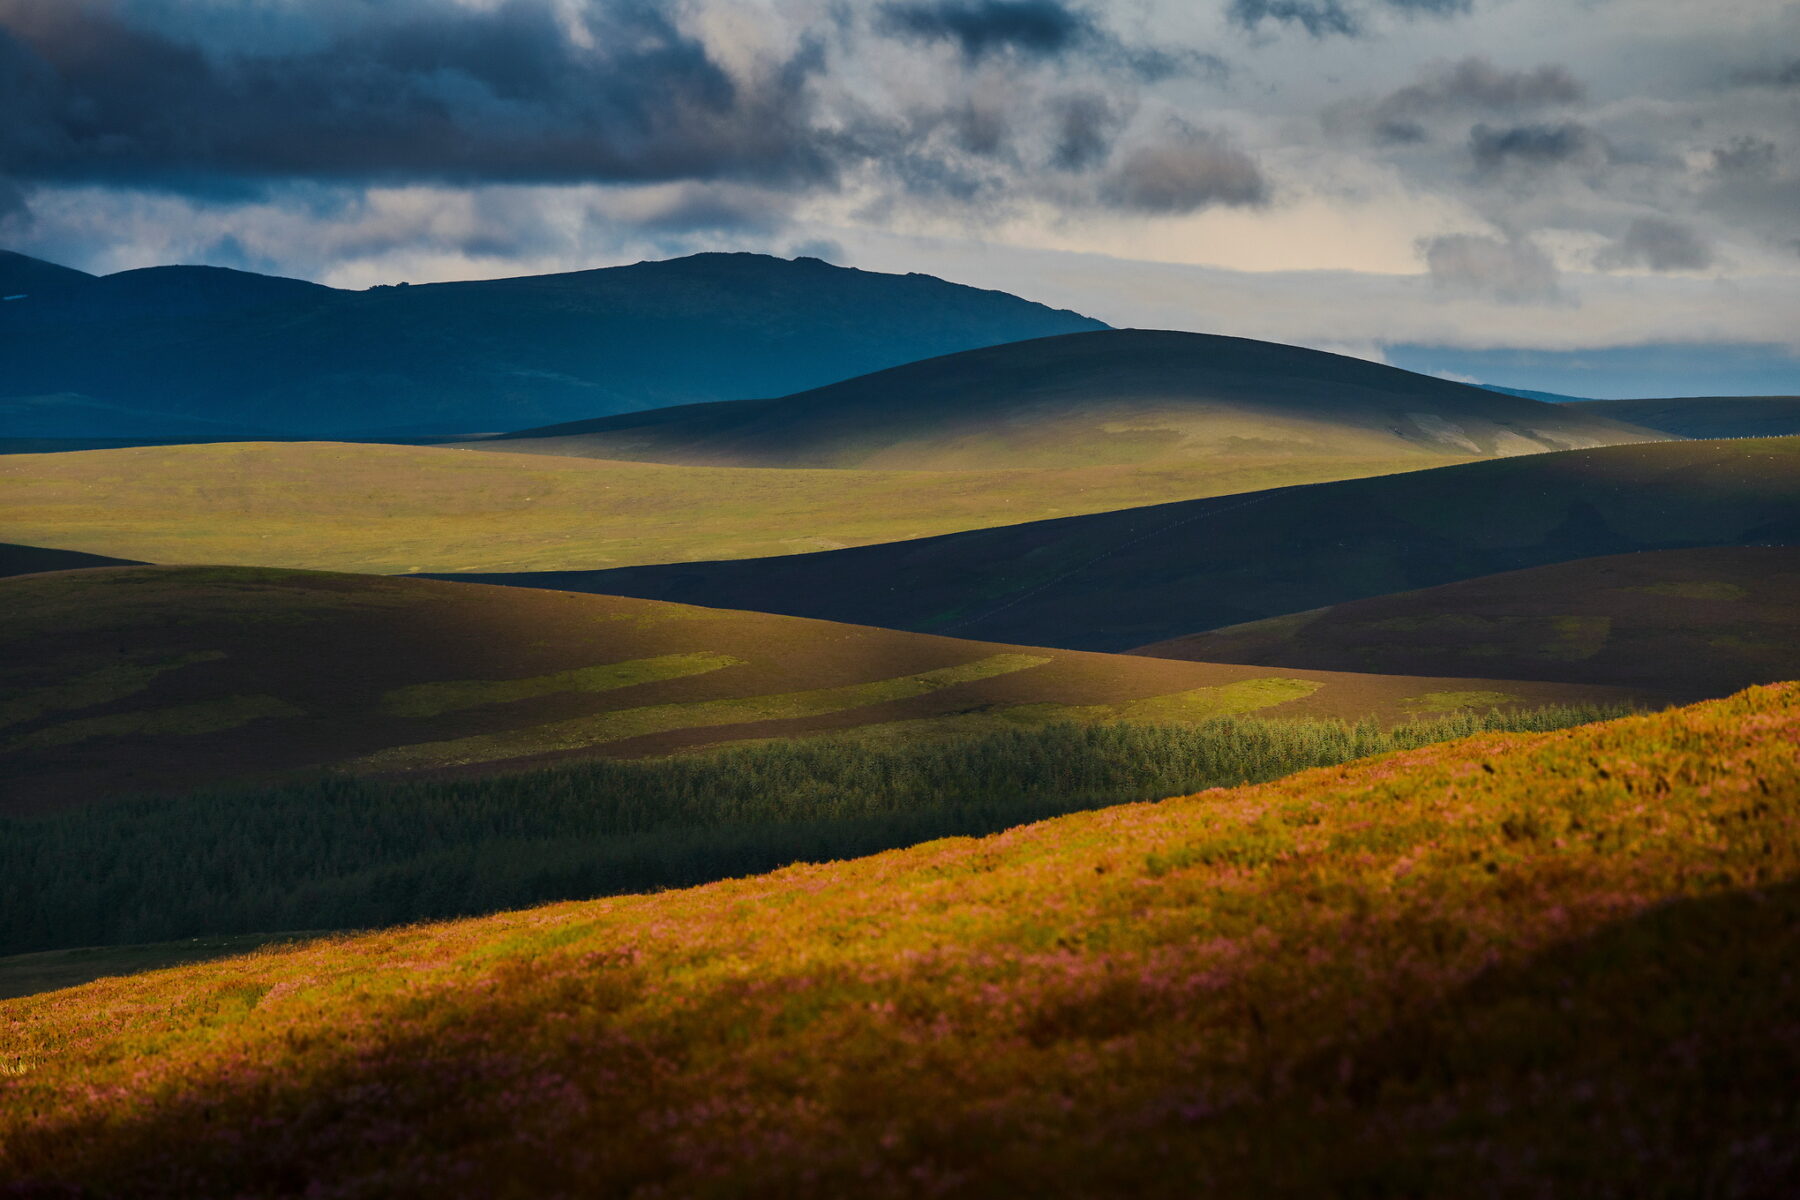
144, 678
1691, 623
32, 560
1706, 416
154, 351
1556, 964
1120, 396
397, 509
1115, 580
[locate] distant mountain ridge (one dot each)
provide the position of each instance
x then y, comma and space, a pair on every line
1116, 396
182, 345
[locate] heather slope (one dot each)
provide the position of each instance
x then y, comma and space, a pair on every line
342, 506
1114, 580
144, 678
200, 343
1691, 623
1117, 396
1526, 964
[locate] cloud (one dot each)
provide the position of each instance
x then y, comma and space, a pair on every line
1192, 170
1744, 156
1785, 75
1658, 244
1040, 28
410, 90
1086, 124
1511, 270
1476, 83
1497, 148
1323, 18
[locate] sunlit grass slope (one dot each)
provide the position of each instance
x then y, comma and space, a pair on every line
171, 677
1692, 623
1562, 964
400, 509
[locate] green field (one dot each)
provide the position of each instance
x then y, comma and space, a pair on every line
412, 509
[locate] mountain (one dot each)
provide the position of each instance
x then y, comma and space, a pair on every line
1689, 623
1556, 964
411, 509
22, 276
171, 677
31, 560
1114, 580
1119, 396
293, 357
1706, 416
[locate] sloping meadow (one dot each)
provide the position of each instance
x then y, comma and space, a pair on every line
1513, 964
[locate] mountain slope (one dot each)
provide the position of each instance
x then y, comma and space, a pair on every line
156, 677
1690, 623
492, 354
22, 275
1706, 416
32, 560
388, 508
1113, 580
1556, 964
1084, 399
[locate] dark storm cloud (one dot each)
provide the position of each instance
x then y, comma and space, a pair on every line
1193, 170
1658, 244
410, 90
1745, 156
1085, 127
1511, 270
1496, 148
1323, 18
1041, 28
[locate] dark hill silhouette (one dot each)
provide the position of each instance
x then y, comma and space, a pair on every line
1082, 399
1705, 416
1688, 623
20, 274
296, 358
32, 560
1113, 580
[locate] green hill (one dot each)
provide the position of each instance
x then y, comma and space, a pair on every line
204, 344
1705, 416
155, 677
1114, 580
1124, 396
393, 509
1558, 964
1691, 623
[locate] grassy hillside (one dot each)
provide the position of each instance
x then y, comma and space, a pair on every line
336, 853
1088, 399
195, 342
1114, 580
1691, 623
1706, 416
152, 677
399, 509
1557, 964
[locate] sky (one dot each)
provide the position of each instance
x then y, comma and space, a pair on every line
1599, 197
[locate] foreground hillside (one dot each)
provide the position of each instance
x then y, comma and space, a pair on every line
1114, 580
129, 679
1517, 964
1088, 399
185, 346
1691, 623
398, 509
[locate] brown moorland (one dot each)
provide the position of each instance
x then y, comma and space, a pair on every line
1689, 623
1540, 964
141, 678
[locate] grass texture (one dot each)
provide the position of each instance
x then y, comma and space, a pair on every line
1515, 964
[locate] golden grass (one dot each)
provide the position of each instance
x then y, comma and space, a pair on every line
1516, 964
411, 509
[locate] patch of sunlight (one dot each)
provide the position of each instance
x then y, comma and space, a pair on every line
1435, 702
209, 716
112, 682
432, 699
